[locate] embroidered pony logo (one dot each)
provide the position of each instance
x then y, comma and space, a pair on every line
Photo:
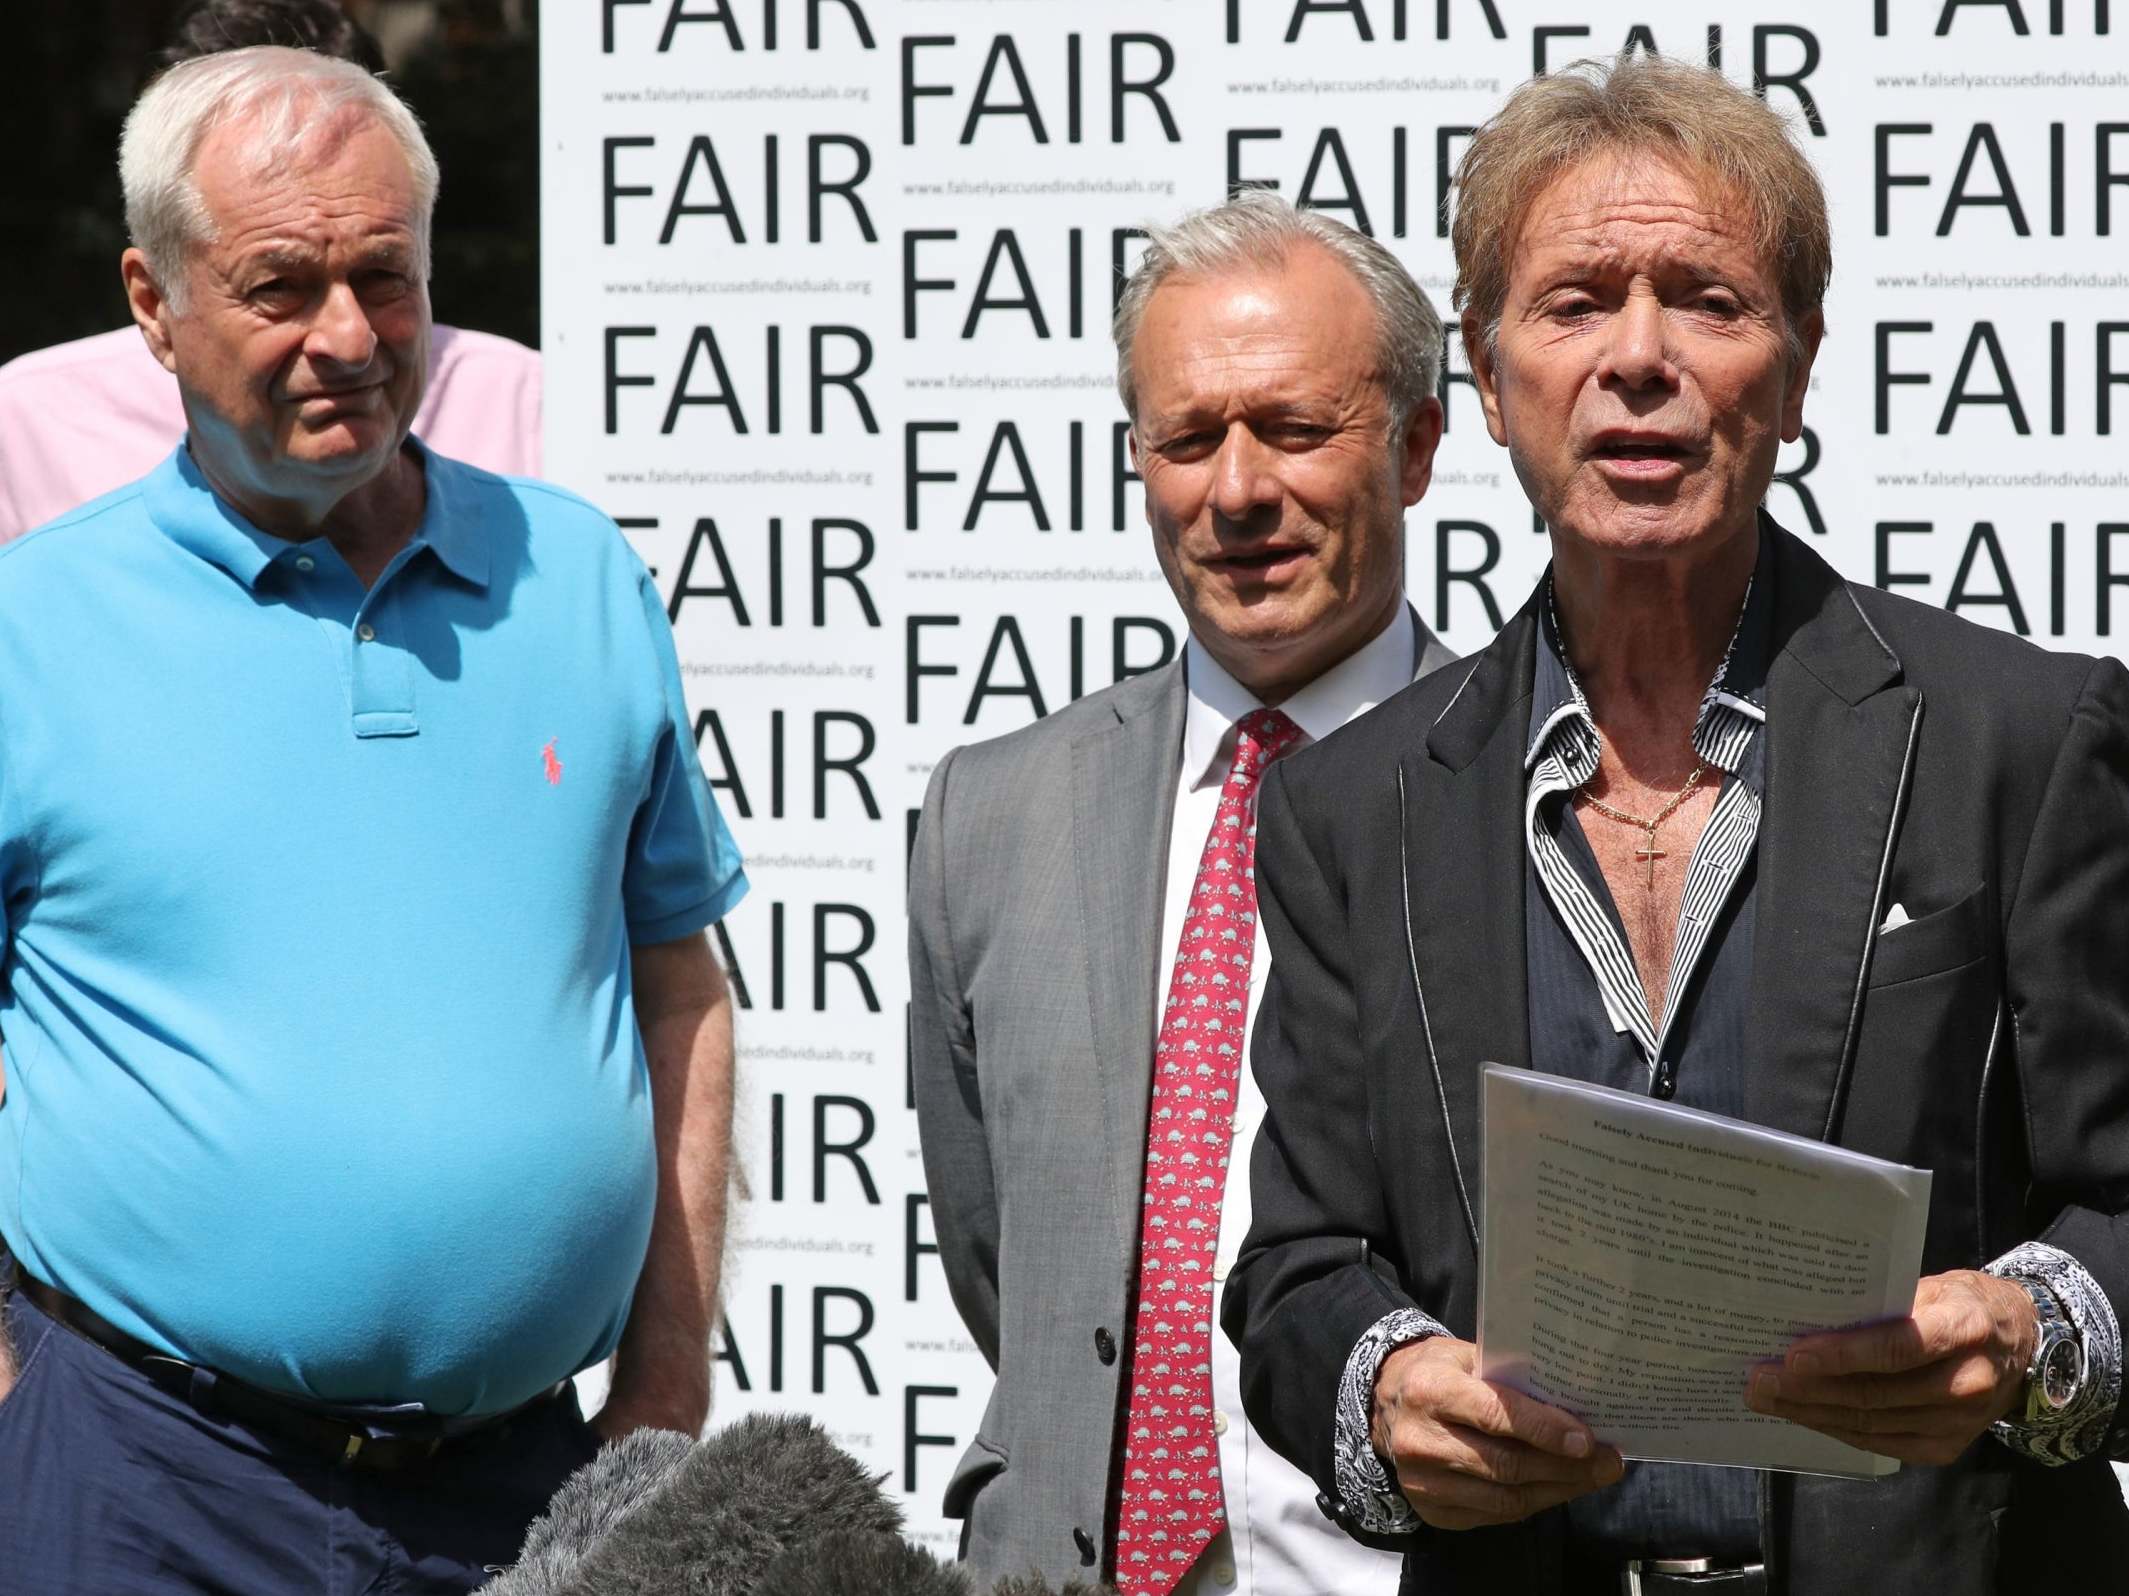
550, 764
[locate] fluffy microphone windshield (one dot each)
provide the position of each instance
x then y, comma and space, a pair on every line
767, 1507
591, 1504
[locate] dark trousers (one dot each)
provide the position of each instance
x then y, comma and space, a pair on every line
111, 1487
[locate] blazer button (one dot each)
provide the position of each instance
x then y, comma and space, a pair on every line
1104, 1345
1085, 1543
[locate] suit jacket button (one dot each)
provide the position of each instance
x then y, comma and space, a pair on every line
1326, 1506
1104, 1345
1085, 1543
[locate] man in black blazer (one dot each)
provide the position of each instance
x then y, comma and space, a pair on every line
1708, 822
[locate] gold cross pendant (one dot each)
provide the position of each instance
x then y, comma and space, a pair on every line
1651, 853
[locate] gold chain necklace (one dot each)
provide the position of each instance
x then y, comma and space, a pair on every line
1648, 851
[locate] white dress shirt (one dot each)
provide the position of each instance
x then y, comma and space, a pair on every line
1278, 1543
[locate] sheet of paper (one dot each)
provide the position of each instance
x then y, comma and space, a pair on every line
1638, 1258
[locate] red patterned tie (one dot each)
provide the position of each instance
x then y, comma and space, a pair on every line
1171, 1504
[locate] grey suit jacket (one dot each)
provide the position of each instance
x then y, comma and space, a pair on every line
1035, 907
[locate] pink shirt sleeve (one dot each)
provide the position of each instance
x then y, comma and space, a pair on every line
82, 418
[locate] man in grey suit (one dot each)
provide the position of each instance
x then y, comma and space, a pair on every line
1083, 949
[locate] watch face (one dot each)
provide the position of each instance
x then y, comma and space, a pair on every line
2061, 1373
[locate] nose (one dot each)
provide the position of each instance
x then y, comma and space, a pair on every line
341, 332
1243, 481
1637, 355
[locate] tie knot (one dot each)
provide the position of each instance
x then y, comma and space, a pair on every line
1263, 735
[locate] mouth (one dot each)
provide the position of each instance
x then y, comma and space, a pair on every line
1262, 564
1642, 456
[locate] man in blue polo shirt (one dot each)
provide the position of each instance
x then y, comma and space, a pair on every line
368, 1072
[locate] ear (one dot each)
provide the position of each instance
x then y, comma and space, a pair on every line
1485, 375
1810, 332
150, 306
1131, 446
1415, 461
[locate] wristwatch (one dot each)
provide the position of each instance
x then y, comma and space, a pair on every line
2056, 1376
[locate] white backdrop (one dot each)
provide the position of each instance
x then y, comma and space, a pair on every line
826, 298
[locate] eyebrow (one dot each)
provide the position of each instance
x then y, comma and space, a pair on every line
278, 258
291, 258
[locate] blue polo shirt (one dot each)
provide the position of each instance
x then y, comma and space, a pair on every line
316, 907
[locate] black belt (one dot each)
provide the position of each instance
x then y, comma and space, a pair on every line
382, 1442
1690, 1576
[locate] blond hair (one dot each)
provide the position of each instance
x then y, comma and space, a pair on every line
1638, 105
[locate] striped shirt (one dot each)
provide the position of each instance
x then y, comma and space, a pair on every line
1590, 1020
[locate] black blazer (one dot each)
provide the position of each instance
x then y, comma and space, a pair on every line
1912, 758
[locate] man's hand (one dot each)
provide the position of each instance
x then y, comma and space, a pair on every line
1468, 1452
1920, 1389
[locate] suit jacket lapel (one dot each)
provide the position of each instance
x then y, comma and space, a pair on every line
1463, 861
1840, 740
1123, 807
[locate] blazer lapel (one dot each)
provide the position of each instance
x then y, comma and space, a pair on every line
1841, 728
1123, 807
1463, 879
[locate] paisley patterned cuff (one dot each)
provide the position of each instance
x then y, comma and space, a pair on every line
1364, 1484
2080, 1429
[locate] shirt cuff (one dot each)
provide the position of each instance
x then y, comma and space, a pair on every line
1365, 1485
2080, 1429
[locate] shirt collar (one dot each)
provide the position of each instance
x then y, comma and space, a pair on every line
1560, 719
193, 516
1355, 685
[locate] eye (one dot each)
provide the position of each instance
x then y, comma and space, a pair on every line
1720, 302
382, 283
1189, 445
1572, 308
1296, 434
273, 292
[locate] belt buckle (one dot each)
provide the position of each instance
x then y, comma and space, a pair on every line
1637, 1566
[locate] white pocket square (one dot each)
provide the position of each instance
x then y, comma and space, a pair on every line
1894, 920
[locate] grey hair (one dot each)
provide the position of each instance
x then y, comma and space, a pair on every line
290, 95
1258, 228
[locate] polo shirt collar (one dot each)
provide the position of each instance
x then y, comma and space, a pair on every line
193, 516
450, 520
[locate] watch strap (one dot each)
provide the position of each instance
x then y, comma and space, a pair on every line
2065, 1435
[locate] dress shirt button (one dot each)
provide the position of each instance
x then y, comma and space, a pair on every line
1105, 1345
1219, 1423
1085, 1543
1223, 1573
365, 633
305, 563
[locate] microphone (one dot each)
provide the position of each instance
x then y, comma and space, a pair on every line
769, 1506
590, 1506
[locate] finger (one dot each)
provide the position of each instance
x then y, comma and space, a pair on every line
1958, 1381
1502, 1410
1926, 1421
1438, 1494
1508, 1462
1941, 1325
